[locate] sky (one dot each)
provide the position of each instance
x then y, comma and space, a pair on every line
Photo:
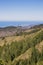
21, 10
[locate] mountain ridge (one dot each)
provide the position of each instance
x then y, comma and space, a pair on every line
16, 30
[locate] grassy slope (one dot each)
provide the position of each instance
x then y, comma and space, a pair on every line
8, 40
26, 54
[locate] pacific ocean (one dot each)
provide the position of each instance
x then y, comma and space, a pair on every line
19, 23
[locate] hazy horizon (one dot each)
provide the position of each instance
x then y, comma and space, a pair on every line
21, 12
19, 23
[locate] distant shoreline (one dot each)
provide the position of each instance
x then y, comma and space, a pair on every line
19, 23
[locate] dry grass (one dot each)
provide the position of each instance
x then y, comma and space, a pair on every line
39, 46
2, 42
24, 56
8, 40
29, 30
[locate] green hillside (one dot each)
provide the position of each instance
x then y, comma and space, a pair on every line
23, 49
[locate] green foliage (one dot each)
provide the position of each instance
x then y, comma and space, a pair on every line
1, 62
37, 39
8, 53
23, 62
35, 56
40, 63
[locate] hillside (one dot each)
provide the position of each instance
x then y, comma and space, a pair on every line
21, 45
19, 30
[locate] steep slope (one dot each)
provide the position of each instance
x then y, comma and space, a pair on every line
28, 53
25, 49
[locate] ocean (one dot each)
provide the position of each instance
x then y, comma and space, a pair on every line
19, 23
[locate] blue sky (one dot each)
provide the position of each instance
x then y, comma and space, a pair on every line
21, 10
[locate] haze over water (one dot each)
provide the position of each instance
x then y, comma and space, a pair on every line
19, 23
